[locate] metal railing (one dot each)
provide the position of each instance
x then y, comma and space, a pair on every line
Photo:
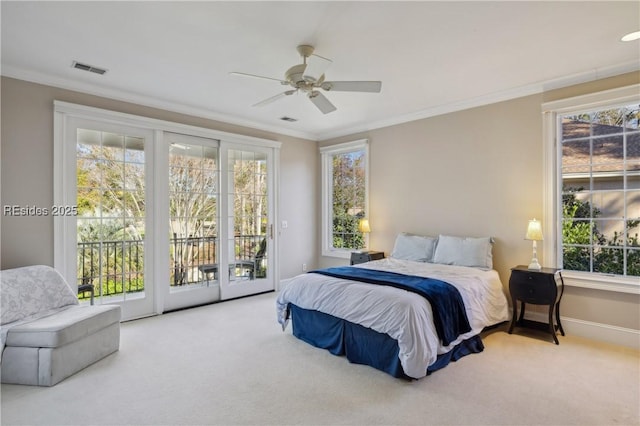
117, 267
113, 267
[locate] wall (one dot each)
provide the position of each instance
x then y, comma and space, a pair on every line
471, 173
27, 173
478, 172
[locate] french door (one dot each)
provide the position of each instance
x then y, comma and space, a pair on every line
159, 219
219, 220
103, 231
190, 192
248, 180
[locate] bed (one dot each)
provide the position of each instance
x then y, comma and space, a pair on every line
361, 312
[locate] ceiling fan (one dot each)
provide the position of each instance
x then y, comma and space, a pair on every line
308, 77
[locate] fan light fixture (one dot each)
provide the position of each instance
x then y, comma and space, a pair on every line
308, 77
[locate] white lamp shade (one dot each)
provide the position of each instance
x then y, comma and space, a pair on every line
534, 231
363, 226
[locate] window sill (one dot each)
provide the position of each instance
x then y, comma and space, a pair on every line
339, 253
602, 282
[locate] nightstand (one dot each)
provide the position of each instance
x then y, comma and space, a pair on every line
543, 287
365, 256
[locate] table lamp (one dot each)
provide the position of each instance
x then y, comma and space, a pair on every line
363, 226
534, 233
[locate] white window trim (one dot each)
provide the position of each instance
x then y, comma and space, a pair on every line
326, 153
120, 118
63, 167
552, 186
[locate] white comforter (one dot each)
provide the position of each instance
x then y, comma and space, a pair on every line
403, 315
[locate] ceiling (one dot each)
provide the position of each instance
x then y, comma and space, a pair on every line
432, 57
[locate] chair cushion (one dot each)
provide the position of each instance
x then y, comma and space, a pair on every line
32, 290
63, 327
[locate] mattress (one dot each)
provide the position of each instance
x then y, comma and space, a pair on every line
404, 316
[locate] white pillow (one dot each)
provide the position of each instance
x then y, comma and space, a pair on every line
413, 247
464, 251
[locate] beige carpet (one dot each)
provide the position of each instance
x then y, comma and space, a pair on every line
230, 363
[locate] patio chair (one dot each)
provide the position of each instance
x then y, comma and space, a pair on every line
253, 266
86, 288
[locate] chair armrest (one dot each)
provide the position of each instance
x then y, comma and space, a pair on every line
83, 288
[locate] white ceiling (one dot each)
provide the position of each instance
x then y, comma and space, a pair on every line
432, 57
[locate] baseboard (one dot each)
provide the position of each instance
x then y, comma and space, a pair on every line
592, 330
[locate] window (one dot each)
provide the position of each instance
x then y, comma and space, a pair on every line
345, 177
596, 202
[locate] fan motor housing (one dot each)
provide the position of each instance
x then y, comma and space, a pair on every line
294, 76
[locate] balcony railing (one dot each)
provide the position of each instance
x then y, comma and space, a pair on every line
117, 267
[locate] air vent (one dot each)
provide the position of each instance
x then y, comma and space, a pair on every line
289, 119
90, 68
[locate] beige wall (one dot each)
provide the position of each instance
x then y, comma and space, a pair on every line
27, 173
477, 172
459, 174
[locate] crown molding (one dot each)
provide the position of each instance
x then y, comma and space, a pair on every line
139, 99
490, 98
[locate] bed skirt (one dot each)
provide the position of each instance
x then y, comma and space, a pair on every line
362, 345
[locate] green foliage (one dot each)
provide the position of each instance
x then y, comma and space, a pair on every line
115, 286
345, 231
580, 237
348, 199
132, 285
576, 234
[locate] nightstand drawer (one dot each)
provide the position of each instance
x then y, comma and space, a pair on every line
532, 287
534, 293
367, 256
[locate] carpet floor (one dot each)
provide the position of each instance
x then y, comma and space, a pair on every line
231, 363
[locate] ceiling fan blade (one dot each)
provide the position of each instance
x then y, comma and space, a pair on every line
316, 66
321, 102
352, 86
244, 74
274, 98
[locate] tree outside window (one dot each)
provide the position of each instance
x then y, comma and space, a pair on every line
345, 177
348, 199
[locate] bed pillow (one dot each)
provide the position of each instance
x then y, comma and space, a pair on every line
414, 247
464, 251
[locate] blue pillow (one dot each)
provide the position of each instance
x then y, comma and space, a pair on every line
413, 247
464, 251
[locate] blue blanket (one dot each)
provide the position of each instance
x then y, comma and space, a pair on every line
449, 315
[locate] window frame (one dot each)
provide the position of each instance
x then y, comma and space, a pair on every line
326, 154
552, 186
66, 114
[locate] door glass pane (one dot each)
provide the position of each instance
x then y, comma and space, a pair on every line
248, 217
111, 206
193, 206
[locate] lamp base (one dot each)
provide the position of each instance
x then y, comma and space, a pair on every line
534, 265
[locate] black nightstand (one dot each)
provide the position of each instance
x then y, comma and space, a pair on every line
544, 287
367, 256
